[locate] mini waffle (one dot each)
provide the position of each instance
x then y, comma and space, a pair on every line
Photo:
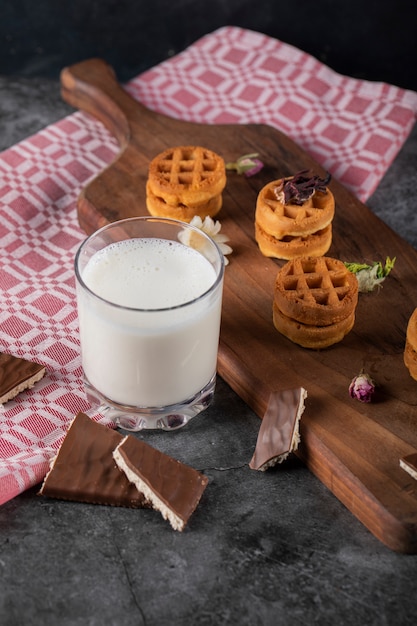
278, 219
310, 336
159, 208
293, 247
319, 291
410, 359
315, 301
293, 217
410, 350
188, 175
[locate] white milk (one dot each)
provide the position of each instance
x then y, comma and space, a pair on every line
152, 356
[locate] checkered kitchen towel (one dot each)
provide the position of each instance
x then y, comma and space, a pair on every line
353, 128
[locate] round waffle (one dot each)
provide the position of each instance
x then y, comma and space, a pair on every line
318, 291
315, 301
410, 359
187, 175
412, 330
159, 208
292, 247
310, 336
278, 219
410, 350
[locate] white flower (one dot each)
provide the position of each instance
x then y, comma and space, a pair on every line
368, 279
212, 229
371, 276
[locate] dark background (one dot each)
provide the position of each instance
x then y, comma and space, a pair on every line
368, 39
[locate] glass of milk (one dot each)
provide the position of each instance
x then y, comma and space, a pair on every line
149, 295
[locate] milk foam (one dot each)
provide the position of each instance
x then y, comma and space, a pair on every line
148, 273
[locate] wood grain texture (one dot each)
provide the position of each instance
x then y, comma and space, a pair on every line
353, 448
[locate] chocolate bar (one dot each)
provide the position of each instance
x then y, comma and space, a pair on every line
279, 431
84, 470
173, 488
409, 464
16, 375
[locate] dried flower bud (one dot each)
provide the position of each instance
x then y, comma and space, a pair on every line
362, 388
248, 164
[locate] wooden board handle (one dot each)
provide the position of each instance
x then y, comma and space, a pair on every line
92, 86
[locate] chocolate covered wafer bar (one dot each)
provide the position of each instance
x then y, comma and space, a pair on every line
173, 488
409, 464
16, 375
84, 469
279, 431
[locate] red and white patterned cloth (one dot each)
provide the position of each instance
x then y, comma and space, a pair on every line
353, 128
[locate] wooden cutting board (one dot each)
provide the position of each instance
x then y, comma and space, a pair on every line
353, 448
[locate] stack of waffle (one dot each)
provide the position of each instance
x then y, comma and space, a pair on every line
410, 350
293, 217
184, 182
315, 300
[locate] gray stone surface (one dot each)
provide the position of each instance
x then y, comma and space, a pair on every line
370, 39
26, 106
262, 549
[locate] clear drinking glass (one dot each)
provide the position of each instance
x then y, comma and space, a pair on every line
149, 295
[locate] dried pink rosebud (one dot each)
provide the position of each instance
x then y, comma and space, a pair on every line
362, 388
251, 166
248, 165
